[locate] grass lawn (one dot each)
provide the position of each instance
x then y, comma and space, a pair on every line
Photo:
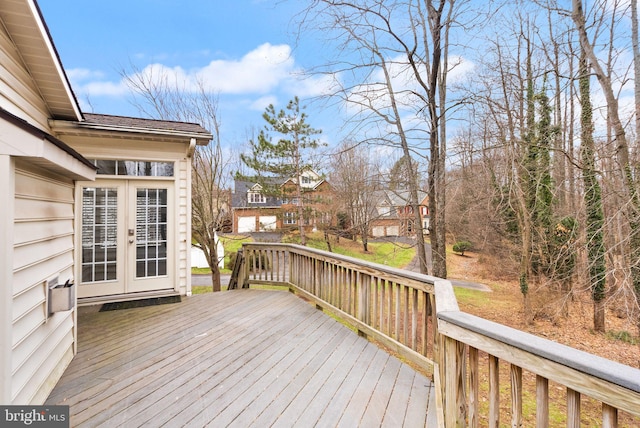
384, 253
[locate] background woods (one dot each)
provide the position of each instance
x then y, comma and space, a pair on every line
523, 113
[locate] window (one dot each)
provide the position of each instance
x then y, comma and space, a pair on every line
134, 168
256, 198
410, 226
99, 234
289, 218
151, 233
384, 211
306, 180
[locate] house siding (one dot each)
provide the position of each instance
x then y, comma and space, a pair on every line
42, 346
18, 92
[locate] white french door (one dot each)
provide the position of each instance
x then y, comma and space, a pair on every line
126, 237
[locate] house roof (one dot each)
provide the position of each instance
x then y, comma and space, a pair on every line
141, 123
239, 195
399, 198
133, 127
28, 31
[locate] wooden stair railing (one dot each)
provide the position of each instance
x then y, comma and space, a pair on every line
236, 274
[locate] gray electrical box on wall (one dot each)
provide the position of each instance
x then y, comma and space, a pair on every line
61, 296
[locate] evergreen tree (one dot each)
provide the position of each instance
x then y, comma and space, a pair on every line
285, 156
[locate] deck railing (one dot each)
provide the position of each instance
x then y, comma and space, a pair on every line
417, 317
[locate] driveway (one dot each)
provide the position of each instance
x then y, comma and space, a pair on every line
205, 280
415, 267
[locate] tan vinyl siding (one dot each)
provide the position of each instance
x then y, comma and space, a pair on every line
18, 92
42, 346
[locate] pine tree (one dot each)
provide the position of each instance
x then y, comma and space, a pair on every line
285, 158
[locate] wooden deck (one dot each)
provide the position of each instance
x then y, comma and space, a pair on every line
238, 358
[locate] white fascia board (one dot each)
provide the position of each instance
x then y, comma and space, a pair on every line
54, 58
17, 142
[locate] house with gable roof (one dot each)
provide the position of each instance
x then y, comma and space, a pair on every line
256, 209
95, 208
394, 215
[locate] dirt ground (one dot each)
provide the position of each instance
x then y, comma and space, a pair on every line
567, 321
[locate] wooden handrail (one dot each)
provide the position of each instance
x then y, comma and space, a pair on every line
417, 316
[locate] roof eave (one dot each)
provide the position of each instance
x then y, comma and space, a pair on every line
202, 139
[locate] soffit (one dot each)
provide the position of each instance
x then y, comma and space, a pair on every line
28, 31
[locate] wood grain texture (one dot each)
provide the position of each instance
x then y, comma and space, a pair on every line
239, 358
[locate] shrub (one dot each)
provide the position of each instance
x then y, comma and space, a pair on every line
461, 247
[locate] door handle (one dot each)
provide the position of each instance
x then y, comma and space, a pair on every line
130, 241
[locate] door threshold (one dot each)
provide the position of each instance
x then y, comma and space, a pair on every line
113, 298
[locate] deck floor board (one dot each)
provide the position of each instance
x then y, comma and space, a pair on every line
239, 358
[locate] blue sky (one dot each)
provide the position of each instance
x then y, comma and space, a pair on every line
245, 49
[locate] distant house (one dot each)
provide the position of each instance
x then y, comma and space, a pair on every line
257, 210
95, 208
394, 215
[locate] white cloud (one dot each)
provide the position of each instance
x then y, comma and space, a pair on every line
266, 69
259, 71
104, 88
263, 102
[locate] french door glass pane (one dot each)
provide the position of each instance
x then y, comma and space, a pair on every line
151, 233
99, 234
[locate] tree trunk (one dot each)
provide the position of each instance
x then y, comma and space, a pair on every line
215, 279
622, 147
327, 240
592, 202
215, 269
636, 73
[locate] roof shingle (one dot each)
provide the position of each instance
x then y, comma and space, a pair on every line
136, 122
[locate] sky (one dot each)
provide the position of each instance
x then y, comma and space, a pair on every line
246, 50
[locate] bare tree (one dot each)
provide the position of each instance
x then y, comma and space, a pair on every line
622, 146
355, 180
396, 90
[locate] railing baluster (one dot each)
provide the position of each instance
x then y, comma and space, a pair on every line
494, 392
397, 315
414, 319
374, 305
474, 387
405, 314
573, 408
542, 402
516, 395
609, 416
425, 323
389, 308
